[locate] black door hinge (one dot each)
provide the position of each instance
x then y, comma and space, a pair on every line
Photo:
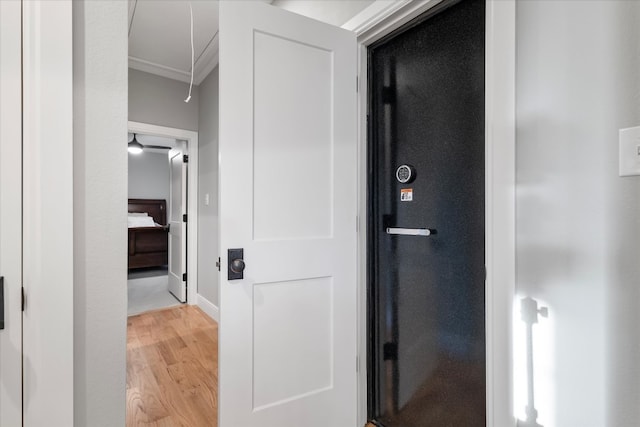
184, 277
23, 299
218, 263
388, 95
185, 158
184, 218
1, 302
390, 351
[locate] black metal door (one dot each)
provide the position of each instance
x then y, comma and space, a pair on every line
426, 227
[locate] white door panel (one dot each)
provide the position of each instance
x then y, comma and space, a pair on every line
288, 198
177, 227
10, 213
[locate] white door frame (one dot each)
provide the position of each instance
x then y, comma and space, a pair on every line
11, 212
371, 25
47, 214
192, 196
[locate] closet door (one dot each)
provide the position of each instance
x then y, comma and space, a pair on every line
10, 215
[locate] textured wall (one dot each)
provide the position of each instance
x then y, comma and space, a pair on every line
208, 184
160, 101
149, 176
100, 198
578, 223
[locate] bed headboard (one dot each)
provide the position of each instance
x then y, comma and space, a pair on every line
154, 207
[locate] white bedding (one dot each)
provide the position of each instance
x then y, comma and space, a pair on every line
138, 220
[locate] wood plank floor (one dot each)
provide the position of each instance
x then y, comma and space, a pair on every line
172, 369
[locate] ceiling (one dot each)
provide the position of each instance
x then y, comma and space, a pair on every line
159, 37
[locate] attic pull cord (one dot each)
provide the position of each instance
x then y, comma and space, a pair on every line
192, 55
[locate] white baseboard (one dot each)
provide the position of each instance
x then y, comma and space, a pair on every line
208, 307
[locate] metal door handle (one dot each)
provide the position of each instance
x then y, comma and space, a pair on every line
410, 231
236, 265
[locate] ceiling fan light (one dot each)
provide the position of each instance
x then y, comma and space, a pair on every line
134, 147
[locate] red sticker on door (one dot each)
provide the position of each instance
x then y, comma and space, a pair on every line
406, 194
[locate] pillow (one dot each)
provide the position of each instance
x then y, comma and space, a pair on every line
140, 221
138, 214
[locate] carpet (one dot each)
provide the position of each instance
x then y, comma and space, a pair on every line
149, 293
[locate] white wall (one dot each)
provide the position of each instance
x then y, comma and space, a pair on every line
149, 176
100, 231
160, 101
208, 184
578, 223
335, 12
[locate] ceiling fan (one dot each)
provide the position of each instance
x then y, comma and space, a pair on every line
134, 147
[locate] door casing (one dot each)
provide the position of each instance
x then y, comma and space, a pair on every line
192, 203
48, 226
10, 213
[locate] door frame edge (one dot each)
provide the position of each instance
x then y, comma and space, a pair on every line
192, 195
375, 22
48, 227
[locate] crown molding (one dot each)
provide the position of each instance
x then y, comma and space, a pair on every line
159, 69
207, 61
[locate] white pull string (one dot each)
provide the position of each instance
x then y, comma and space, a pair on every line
192, 54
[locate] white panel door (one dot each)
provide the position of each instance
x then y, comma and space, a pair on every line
288, 198
177, 224
10, 215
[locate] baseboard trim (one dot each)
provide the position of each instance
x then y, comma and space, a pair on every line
209, 308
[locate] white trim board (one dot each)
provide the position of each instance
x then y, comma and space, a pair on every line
47, 214
386, 16
192, 189
159, 70
209, 308
11, 211
372, 24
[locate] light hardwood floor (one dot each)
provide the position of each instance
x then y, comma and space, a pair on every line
172, 369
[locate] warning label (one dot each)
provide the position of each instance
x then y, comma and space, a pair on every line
406, 194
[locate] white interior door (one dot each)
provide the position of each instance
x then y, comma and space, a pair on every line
10, 215
288, 199
177, 220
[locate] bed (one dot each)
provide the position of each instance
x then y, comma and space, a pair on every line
147, 237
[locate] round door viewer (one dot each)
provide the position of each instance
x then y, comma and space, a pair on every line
405, 174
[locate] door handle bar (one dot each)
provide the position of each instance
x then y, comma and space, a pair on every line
410, 231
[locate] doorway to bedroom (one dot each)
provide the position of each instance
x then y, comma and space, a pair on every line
154, 198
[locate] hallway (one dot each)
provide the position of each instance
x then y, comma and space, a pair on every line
172, 368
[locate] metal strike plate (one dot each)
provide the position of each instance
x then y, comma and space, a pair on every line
235, 268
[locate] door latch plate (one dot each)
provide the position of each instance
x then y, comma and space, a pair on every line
232, 255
